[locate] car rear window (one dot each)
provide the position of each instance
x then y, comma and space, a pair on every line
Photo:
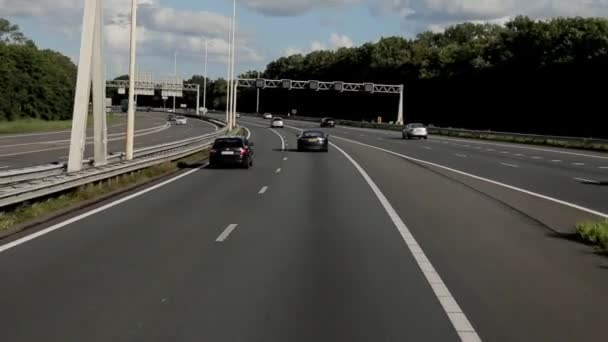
228, 143
312, 134
277, 119
417, 125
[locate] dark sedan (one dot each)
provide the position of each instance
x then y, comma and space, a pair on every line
313, 140
328, 122
231, 151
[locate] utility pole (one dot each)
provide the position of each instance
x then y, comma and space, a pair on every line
228, 80
131, 111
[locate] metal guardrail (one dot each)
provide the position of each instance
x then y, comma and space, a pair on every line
17, 186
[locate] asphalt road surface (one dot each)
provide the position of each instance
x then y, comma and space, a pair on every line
575, 176
22, 150
350, 245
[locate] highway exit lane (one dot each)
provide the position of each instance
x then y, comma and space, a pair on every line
314, 257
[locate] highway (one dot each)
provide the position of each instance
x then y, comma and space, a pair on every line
357, 244
22, 150
574, 176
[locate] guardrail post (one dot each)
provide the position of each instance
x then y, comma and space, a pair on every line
83, 88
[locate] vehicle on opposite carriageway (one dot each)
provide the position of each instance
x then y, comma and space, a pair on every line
267, 116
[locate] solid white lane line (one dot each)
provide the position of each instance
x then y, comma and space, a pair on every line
603, 167
460, 155
587, 180
248, 133
511, 165
281, 137
273, 131
455, 314
226, 232
4, 167
278, 170
525, 147
263, 190
578, 164
555, 200
93, 212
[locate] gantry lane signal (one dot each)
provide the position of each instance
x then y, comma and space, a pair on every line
286, 84
313, 85
368, 87
260, 83
339, 86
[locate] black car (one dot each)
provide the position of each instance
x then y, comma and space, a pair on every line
313, 140
328, 122
231, 151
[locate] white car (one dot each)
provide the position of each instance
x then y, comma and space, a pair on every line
267, 116
415, 130
181, 120
277, 122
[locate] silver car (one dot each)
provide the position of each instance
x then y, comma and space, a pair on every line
415, 130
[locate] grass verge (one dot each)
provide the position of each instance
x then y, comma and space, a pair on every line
37, 212
594, 233
39, 125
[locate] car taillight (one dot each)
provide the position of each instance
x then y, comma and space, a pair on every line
243, 152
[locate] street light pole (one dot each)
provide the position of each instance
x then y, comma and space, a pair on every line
174, 73
205, 76
234, 83
131, 111
257, 104
228, 87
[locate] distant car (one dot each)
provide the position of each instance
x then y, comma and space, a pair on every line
276, 122
415, 130
328, 122
231, 150
181, 120
267, 116
313, 140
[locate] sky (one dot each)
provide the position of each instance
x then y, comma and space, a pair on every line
267, 29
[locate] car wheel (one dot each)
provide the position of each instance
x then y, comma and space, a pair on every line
246, 164
426, 138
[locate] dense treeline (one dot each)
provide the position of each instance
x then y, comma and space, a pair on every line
34, 83
545, 77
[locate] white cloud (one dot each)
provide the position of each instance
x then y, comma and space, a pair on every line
341, 40
336, 41
293, 7
436, 14
161, 30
